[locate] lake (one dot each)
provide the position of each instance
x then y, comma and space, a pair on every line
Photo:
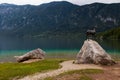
59, 47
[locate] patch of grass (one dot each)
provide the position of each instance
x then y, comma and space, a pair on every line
83, 74
84, 71
9, 71
49, 78
84, 77
91, 71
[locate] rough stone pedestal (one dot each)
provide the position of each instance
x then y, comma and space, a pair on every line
92, 52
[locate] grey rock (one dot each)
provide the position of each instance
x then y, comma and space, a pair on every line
34, 54
92, 52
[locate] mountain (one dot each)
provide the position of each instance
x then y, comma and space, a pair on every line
57, 18
110, 34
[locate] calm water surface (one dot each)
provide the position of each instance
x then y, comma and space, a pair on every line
54, 47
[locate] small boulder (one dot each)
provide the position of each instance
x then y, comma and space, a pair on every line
34, 54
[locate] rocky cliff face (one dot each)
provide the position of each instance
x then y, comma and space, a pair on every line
57, 17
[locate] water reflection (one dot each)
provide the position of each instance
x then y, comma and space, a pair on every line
55, 47
110, 45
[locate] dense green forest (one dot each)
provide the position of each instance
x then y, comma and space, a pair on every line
57, 19
110, 34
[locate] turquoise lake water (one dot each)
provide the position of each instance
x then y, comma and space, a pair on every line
54, 47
